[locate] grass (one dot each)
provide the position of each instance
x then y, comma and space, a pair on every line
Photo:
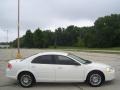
84, 48
114, 50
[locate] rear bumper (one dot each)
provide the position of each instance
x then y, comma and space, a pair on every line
10, 74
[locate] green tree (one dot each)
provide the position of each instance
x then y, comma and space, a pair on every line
106, 30
28, 39
104, 33
38, 38
47, 38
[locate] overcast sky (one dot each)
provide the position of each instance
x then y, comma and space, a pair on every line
51, 14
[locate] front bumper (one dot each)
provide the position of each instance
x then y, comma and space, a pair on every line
110, 75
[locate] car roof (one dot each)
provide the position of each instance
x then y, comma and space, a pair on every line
53, 53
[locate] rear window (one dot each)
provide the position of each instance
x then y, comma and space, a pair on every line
45, 59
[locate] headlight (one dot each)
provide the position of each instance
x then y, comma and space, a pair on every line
109, 69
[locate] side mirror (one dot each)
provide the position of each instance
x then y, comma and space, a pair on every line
77, 64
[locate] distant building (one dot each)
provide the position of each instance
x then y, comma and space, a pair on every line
4, 46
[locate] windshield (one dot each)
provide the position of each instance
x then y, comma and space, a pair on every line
81, 60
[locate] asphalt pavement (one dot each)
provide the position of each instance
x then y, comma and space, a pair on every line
8, 84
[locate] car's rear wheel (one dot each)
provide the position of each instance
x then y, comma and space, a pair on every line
26, 79
95, 79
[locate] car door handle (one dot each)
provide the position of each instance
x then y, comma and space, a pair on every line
59, 67
33, 67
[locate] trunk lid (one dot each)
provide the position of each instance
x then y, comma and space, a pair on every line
14, 61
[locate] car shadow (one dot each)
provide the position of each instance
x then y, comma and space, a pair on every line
107, 83
70, 84
57, 85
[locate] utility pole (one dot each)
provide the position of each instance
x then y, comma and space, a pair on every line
18, 39
7, 39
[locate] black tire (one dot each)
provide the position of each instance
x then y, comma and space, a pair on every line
26, 79
95, 79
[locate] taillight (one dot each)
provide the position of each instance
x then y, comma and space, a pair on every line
9, 66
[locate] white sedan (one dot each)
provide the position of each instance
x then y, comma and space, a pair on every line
58, 67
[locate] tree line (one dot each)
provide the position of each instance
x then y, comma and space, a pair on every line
105, 33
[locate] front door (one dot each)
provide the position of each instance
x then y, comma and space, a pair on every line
68, 69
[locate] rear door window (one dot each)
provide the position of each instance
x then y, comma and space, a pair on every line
45, 59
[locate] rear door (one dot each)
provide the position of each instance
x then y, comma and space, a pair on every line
43, 67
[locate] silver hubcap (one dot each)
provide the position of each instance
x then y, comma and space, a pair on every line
26, 80
95, 79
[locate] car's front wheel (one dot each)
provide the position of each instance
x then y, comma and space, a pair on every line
95, 79
26, 79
